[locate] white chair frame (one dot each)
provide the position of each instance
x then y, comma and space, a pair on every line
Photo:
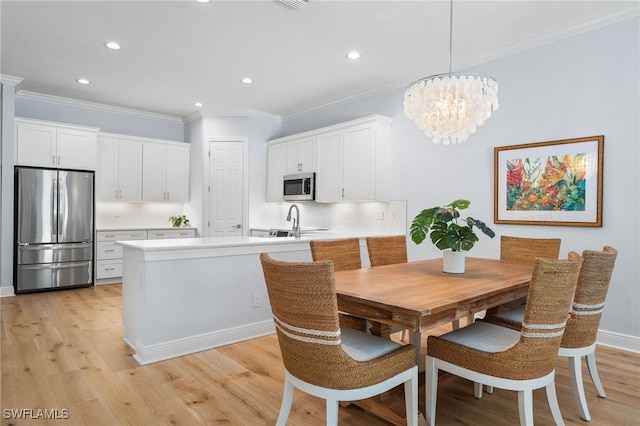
575, 373
334, 396
525, 389
574, 356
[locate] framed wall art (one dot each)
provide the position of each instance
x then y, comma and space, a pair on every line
549, 183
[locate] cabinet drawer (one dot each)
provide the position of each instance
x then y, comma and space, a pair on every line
108, 268
121, 235
159, 234
108, 250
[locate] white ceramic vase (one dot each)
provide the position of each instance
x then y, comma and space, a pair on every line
453, 261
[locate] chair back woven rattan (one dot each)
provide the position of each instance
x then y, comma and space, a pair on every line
344, 253
387, 250
588, 302
521, 249
305, 309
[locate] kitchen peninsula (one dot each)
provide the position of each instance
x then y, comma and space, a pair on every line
187, 295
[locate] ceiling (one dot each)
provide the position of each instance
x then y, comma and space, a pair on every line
175, 53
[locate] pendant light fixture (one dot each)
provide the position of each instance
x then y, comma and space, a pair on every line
449, 107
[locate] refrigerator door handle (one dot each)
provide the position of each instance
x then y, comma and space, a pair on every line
54, 210
62, 208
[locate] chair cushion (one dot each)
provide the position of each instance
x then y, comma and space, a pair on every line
365, 347
484, 336
515, 315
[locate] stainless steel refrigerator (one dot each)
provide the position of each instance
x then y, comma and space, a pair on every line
53, 229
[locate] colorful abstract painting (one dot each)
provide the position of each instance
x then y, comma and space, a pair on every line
549, 183
555, 184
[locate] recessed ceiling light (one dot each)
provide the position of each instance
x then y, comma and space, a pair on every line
354, 54
112, 45
247, 80
83, 81
203, 1
198, 104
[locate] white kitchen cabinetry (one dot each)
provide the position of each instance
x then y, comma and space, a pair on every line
48, 144
109, 254
165, 174
163, 234
286, 157
276, 169
119, 170
353, 162
301, 155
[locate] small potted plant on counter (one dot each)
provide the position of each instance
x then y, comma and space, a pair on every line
179, 221
441, 225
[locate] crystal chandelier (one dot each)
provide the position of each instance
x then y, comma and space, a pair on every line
449, 107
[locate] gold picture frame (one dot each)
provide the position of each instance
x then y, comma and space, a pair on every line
556, 183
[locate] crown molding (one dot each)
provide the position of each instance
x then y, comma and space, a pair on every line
251, 113
58, 100
10, 80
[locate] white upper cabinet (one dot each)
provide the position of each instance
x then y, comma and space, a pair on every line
301, 155
119, 169
141, 169
288, 157
165, 172
48, 144
351, 160
276, 169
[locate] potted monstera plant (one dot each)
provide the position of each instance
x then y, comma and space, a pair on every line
441, 225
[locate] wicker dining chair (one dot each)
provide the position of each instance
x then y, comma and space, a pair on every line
320, 357
501, 357
388, 250
345, 255
579, 339
524, 249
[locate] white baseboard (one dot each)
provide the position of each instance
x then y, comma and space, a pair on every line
7, 291
619, 341
175, 348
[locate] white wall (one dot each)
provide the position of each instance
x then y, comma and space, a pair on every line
582, 86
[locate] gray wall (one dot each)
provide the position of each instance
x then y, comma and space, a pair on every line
582, 86
111, 120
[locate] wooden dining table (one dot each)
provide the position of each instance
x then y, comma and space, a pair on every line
419, 296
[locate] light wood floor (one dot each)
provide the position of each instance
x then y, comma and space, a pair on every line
64, 350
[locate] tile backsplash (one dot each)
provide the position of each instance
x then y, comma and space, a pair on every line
136, 215
383, 217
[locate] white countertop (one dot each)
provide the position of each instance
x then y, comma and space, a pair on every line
227, 246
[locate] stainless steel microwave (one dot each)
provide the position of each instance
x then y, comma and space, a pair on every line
299, 187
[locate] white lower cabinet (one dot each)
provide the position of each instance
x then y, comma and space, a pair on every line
109, 254
165, 234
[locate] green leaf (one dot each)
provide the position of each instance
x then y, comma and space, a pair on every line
459, 204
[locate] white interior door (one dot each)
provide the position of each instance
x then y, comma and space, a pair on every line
226, 188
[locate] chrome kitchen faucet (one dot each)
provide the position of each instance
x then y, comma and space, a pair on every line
296, 221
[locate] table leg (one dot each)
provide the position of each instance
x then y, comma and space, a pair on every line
415, 338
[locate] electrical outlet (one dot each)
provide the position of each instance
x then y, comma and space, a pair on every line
256, 300
380, 215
